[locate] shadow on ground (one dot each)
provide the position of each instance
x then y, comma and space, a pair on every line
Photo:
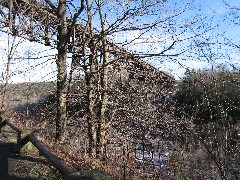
14, 166
6, 151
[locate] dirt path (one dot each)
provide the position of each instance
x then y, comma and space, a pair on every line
14, 166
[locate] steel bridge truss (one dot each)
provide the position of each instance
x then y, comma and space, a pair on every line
34, 20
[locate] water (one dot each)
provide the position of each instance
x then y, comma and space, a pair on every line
157, 154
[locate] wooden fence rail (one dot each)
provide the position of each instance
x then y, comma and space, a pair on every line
26, 135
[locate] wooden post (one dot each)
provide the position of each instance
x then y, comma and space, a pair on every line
1, 123
24, 136
9, 123
61, 167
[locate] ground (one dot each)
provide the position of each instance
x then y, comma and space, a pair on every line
17, 166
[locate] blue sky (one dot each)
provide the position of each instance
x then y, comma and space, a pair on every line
214, 46
214, 17
30, 62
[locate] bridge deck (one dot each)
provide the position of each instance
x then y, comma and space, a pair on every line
15, 166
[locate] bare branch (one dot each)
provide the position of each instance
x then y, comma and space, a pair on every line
50, 3
77, 14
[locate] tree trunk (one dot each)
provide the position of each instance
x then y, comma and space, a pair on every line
101, 131
90, 82
101, 128
89, 96
4, 97
91, 118
61, 120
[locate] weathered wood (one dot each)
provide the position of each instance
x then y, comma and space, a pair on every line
27, 135
14, 127
61, 167
24, 136
2, 123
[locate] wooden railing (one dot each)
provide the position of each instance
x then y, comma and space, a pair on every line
26, 135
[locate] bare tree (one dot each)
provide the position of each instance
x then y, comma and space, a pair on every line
64, 30
11, 48
101, 58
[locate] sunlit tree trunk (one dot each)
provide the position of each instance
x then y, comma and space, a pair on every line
90, 83
61, 120
101, 128
91, 118
64, 31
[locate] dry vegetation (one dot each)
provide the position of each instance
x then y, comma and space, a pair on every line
201, 150
115, 112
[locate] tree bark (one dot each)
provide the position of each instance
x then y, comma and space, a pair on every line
90, 82
91, 118
101, 131
61, 120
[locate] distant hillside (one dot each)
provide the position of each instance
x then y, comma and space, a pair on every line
22, 93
